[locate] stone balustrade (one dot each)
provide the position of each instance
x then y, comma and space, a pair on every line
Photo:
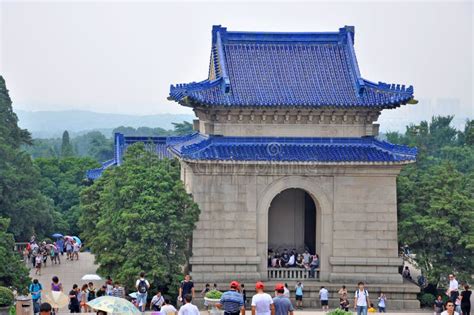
291, 274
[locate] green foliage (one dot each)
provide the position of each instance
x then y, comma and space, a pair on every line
6, 297
66, 146
138, 217
435, 199
338, 311
426, 299
20, 198
183, 128
13, 272
62, 180
214, 294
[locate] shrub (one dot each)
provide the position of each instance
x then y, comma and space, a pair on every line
339, 312
426, 299
214, 294
6, 297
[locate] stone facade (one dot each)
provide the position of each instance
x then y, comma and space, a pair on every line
356, 206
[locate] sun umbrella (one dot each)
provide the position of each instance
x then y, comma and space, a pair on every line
113, 305
77, 239
91, 277
133, 295
57, 235
57, 299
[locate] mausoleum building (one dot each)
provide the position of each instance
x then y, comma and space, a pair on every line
286, 155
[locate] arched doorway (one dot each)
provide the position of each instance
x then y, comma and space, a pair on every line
292, 221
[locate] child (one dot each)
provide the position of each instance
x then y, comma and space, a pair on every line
38, 262
244, 294
371, 308
457, 305
382, 302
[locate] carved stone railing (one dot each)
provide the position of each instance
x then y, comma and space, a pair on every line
291, 273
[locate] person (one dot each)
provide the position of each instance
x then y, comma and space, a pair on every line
306, 259
35, 289
157, 301
68, 249
109, 285
118, 290
453, 288
438, 305
142, 285
372, 308
291, 261
45, 309
324, 298
344, 303
232, 301
299, 295
60, 245
91, 292
262, 303
466, 300
382, 302
102, 291
282, 303
361, 299
74, 305
457, 304
244, 294
299, 261
449, 309
38, 263
56, 285
188, 308
406, 273
313, 266
186, 287
168, 309
287, 291
82, 298
76, 247
342, 292
206, 289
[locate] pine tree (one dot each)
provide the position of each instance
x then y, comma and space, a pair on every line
66, 147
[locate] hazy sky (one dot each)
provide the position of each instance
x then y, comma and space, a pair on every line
122, 56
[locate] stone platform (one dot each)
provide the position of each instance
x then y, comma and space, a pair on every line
399, 296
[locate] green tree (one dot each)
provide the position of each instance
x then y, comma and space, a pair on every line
20, 199
139, 217
62, 180
66, 146
13, 272
183, 128
436, 198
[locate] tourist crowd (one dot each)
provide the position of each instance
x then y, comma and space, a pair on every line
293, 259
234, 301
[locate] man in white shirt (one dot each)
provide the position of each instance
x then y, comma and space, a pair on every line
168, 309
142, 285
453, 291
157, 301
324, 298
188, 308
262, 303
361, 299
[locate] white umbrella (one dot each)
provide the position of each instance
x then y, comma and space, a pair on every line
91, 277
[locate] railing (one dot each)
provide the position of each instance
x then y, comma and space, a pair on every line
291, 273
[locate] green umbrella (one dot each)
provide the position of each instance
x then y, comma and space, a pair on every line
113, 305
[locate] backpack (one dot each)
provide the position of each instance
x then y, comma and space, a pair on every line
142, 286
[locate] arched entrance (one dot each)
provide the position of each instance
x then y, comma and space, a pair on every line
292, 221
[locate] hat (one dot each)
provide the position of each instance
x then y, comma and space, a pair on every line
234, 284
259, 285
279, 286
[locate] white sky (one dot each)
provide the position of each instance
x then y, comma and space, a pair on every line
122, 56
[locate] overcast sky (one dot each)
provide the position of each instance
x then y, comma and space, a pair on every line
122, 56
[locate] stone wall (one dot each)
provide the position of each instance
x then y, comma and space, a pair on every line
356, 219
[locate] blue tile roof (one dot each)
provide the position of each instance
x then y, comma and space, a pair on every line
287, 69
292, 149
159, 145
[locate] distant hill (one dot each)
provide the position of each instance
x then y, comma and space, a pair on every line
51, 124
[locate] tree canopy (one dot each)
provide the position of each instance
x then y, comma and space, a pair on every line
436, 198
20, 198
138, 217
